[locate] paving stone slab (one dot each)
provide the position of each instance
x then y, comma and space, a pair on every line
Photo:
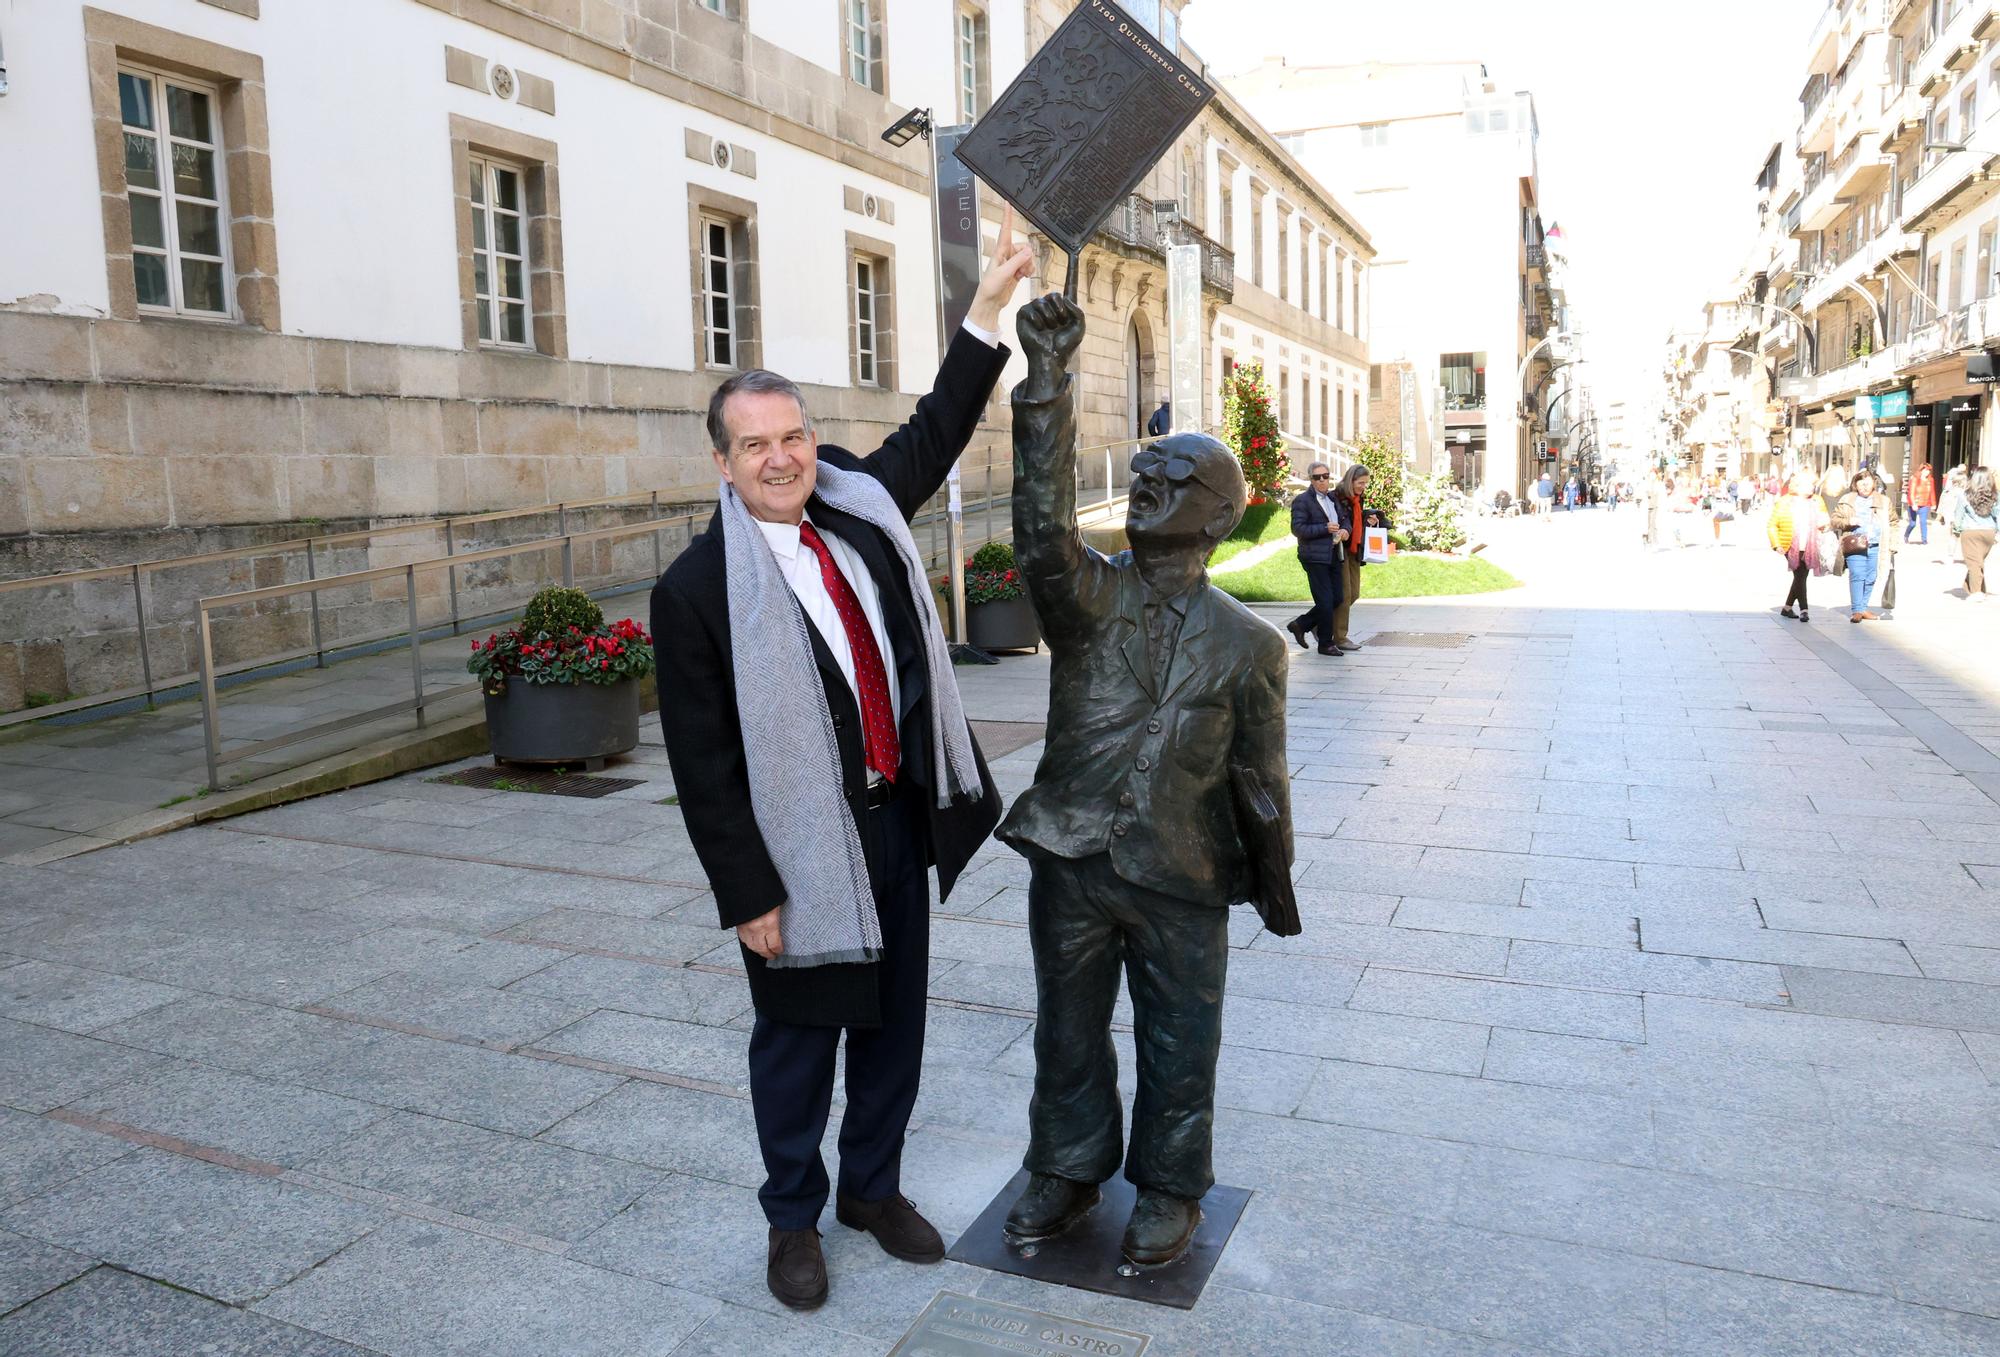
1417, 949
75, 1000
1351, 1034
733, 1331
1718, 1079
1591, 1302
654, 939
1645, 972
1716, 1312
476, 1012
428, 1291
237, 1034
1546, 924
1481, 1111
1887, 998
1678, 1023
28, 1268
1535, 1008
110, 1311
500, 1092
42, 1069
220, 1232
261, 1118
37, 1153
593, 982
667, 1127
688, 1050
1778, 946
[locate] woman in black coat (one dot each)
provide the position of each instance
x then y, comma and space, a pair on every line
1320, 537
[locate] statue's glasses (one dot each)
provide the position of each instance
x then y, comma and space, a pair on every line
1179, 467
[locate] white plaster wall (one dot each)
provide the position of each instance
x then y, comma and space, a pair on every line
362, 188
806, 28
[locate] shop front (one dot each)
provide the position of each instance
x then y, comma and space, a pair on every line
1953, 396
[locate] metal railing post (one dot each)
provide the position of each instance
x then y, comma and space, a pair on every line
1107, 479
659, 565
569, 570
451, 572
416, 641
562, 520
211, 719
145, 651
312, 573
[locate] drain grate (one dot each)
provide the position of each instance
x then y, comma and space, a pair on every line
1420, 640
545, 781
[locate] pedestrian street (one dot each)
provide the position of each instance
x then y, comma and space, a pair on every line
1648, 1002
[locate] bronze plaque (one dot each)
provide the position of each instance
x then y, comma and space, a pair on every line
1095, 109
967, 1326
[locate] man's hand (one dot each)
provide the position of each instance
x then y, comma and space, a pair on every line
1341, 533
761, 935
1050, 327
1012, 261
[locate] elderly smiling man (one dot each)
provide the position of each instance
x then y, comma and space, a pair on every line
824, 762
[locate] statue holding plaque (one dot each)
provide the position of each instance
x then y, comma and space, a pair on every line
1162, 797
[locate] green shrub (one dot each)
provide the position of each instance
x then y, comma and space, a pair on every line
1385, 468
1433, 514
992, 556
1251, 430
555, 610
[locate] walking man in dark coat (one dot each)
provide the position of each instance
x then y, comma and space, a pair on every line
1316, 525
1164, 694
824, 763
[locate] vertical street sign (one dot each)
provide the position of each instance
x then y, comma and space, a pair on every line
1407, 390
1184, 336
955, 232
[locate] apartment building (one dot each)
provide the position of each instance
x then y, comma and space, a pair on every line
1871, 306
404, 257
1441, 164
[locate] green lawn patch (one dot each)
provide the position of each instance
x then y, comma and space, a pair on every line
1261, 523
1283, 580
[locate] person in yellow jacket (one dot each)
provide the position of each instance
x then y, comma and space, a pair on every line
1793, 529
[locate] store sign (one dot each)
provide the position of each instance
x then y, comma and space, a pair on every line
1983, 366
1886, 405
1892, 428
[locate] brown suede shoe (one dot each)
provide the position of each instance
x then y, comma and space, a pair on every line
897, 1227
796, 1269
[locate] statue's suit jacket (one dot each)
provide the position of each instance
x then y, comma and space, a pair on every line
1132, 768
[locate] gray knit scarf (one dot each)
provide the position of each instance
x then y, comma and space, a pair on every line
788, 740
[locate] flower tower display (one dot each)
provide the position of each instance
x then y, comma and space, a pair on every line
1250, 428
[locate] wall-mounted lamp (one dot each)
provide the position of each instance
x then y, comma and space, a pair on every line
916, 123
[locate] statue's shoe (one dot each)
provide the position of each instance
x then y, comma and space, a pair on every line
1048, 1205
1160, 1228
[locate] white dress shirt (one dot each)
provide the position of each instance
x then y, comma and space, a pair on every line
800, 567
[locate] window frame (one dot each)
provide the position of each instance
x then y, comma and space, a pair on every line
169, 197
867, 325
973, 68
870, 60
486, 211
708, 226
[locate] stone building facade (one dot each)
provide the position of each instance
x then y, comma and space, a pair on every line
295, 267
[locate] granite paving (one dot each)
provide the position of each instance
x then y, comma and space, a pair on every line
1648, 1004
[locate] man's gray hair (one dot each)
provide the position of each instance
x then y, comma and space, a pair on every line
1318, 466
758, 382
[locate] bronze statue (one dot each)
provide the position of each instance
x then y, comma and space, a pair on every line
1162, 798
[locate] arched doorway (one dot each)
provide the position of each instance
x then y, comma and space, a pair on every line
1141, 376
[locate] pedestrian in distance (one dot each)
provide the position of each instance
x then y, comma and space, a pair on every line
1721, 500
1545, 495
1833, 483
1863, 517
1162, 422
1793, 531
1949, 500
824, 761
1920, 496
1655, 492
1681, 500
1322, 552
1351, 509
1976, 523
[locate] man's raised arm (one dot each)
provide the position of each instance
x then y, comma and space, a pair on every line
1047, 545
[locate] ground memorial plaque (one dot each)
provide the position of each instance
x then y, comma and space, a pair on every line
1089, 115
967, 1326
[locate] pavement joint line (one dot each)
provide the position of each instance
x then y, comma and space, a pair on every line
465, 857
586, 1062
171, 1144
408, 1206
407, 1029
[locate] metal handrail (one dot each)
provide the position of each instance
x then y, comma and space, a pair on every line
413, 629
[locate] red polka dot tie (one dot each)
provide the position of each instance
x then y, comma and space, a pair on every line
878, 715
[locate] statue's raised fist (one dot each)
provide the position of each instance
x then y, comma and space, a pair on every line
1050, 327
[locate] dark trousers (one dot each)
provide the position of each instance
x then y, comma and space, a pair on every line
1084, 920
791, 1065
1324, 579
1797, 593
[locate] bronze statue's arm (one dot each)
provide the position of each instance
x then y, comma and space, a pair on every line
1064, 577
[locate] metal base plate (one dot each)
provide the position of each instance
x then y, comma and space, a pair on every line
1086, 1255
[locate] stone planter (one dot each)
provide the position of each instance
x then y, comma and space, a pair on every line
563, 722
1006, 625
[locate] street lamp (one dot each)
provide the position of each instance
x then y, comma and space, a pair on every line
916, 123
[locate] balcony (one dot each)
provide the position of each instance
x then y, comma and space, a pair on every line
1958, 182
1988, 27
1821, 204
1136, 224
1538, 258
1945, 45
1816, 119
1823, 46
1962, 56
1854, 376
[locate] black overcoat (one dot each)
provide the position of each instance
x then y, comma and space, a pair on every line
1314, 531
704, 738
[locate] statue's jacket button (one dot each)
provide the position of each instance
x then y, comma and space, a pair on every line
1118, 831
1152, 727
1144, 763
1126, 799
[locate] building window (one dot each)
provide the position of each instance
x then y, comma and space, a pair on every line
1306, 408
863, 29
1968, 109
1170, 28
871, 312
1284, 398
184, 174
1958, 275
714, 6
1354, 298
1324, 255
1323, 388
1284, 256
1228, 365
173, 180
509, 239
1226, 210
1463, 377
499, 252
1340, 416
1339, 292
1985, 263
1374, 134
1257, 238
1187, 186
1355, 424
864, 321
718, 293
972, 63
